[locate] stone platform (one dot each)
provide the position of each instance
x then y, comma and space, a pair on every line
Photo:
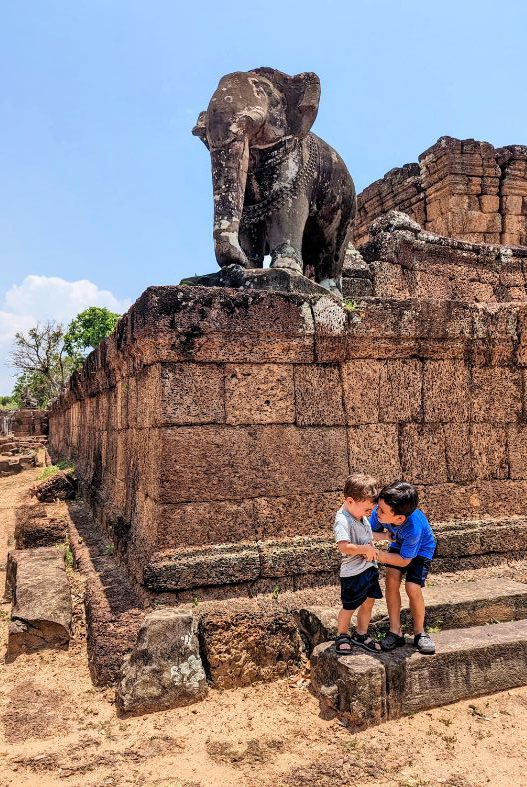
213, 431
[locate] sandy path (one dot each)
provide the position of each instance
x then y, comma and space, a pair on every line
57, 728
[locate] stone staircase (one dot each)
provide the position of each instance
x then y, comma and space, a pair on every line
481, 648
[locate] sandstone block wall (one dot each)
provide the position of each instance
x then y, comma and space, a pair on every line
460, 188
412, 263
214, 430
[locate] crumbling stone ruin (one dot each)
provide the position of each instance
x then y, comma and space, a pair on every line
461, 189
212, 433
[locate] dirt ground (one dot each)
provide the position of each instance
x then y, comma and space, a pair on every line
57, 728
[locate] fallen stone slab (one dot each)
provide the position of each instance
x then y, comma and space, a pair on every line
164, 670
456, 605
35, 528
41, 611
241, 648
468, 663
61, 486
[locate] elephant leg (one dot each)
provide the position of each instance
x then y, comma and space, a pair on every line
252, 242
285, 232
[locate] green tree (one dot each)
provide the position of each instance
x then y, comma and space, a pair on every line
87, 330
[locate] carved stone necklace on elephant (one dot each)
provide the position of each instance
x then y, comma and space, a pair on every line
278, 188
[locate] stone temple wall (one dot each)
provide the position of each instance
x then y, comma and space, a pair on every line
403, 261
214, 429
24, 422
460, 188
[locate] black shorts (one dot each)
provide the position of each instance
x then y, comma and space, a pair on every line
416, 571
355, 590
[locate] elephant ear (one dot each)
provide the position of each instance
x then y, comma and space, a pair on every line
200, 129
302, 97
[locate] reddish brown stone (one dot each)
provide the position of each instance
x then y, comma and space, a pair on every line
259, 394
400, 391
307, 514
192, 524
496, 394
318, 395
446, 391
360, 381
423, 454
374, 449
225, 463
190, 393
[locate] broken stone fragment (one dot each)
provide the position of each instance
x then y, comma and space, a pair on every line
164, 670
41, 613
61, 486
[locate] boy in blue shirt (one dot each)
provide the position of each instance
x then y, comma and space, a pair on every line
410, 553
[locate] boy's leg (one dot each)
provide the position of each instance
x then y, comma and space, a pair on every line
364, 616
393, 598
344, 620
417, 606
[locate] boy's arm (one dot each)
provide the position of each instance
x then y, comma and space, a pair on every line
381, 535
364, 550
392, 559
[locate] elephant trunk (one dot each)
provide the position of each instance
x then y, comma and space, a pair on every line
229, 177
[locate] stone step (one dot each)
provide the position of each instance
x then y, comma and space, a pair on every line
456, 605
42, 611
365, 689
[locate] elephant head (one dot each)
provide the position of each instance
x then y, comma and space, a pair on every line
254, 109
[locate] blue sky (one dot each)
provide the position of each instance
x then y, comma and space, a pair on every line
104, 191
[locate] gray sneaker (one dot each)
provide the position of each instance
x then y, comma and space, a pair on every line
425, 644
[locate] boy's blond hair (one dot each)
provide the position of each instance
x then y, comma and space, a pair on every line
361, 487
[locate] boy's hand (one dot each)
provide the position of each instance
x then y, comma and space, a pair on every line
370, 553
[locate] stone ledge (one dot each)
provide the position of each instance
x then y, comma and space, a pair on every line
468, 663
457, 605
463, 544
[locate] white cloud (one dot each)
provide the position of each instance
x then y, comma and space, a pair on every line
41, 298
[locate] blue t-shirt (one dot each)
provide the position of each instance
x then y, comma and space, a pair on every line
414, 537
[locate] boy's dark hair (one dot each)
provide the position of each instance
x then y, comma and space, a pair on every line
401, 497
361, 487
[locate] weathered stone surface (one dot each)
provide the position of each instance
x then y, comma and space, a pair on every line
446, 391
223, 463
496, 394
61, 486
242, 648
190, 524
190, 393
211, 565
469, 662
423, 453
35, 528
354, 685
318, 395
400, 385
299, 555
259, 393
459, 605
374, 449
164, 670
296, 514
41, 612
360, 381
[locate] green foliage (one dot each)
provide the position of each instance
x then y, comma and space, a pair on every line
9, 403
109, 549
44, 369
68, 557
86, 331
52, 470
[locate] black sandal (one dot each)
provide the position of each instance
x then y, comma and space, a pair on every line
366, 642
392, 641
343, 639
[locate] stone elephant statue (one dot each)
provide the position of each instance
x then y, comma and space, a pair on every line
278, 188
